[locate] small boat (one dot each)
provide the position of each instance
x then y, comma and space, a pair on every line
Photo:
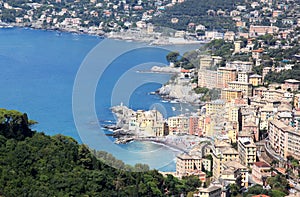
174, 101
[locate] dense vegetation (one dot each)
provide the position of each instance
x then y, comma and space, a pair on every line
34, 164
278, 183
279, 77
195, 11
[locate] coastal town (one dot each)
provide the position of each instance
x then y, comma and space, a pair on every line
249, 135
244, 135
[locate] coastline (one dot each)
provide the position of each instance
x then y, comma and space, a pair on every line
148, 39
163, 143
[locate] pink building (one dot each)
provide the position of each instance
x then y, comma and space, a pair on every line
194, 126
291, 84
260, 171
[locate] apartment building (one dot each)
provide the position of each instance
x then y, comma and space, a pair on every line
246, 150
228, 94
235, 173
221, 153
260, 172
178, 124
214, 106
207, 78
284, 139
225, 75
246, 88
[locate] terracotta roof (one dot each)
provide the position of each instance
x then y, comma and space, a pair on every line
261, 164
261, 195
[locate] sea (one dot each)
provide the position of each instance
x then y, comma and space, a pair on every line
68, 83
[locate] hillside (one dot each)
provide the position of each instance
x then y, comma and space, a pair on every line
34, 164
195, 11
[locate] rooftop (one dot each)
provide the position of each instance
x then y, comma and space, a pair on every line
261, 164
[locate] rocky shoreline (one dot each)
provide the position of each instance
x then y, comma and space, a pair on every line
149, 39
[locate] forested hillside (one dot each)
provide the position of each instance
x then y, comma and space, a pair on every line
195, 11
34, 164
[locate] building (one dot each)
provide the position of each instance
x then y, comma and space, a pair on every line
236, 173
214, 106
226, 75
255, 31
221, 153
266, 70
284, 139
260, 172
255, 80
229, 36
246, 88
237, 46
257, 54
206, 62
297, 101
194, 128
212, 191
240, 66
244, 76
291, 84
207, 78
186, 164
230, 94
247, 150
178, 124
192, 165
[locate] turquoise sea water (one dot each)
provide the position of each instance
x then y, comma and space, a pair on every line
38, 69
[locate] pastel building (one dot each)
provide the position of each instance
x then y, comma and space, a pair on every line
178, 124
297, 101
235, 173
255, 80
284, 139
187, 164
260, 172
212, 191
194, 128
246, 88
228, 94
226, 75
207, 78
221, 153
247, 150
291, 84
214, 106
244, 76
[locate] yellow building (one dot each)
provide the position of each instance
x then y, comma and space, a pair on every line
255, 80
237, 46
232, 135
221, 153
226, 75
230, 94
206, 62
214, 106
297, 101
246, 88
235, 173
247, 150
186, 163
178, 124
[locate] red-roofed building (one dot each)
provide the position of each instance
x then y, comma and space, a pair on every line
261, 195
256, 54
260, 171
